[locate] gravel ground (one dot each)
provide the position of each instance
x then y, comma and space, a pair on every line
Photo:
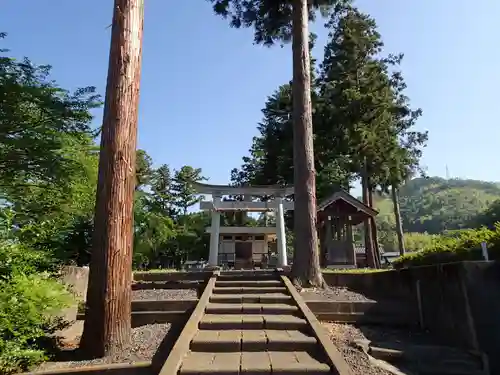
163, 294
332, 294
389, 335
145, 342
343, 335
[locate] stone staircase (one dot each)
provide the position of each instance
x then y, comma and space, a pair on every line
253, 322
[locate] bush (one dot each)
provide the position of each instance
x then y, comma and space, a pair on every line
29, 307
16, 258
461, 246
30, 301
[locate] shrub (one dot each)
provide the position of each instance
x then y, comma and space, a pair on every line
30, 301
16, 258
29, 307
461, 246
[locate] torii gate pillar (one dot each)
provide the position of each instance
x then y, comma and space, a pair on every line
213, 258
280, 233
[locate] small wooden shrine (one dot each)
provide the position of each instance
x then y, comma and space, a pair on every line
336, 216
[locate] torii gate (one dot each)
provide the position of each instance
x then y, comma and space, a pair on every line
216, 206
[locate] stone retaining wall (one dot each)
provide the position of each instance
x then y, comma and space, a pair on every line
77, 279
459, 303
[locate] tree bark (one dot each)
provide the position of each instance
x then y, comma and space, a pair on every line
373, 228
306, 266
369, 251
107, 327
399, 225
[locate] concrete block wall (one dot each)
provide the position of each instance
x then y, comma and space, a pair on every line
459, 303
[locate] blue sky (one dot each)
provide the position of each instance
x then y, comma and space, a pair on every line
203, 84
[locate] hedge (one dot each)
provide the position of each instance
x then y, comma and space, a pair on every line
461, 246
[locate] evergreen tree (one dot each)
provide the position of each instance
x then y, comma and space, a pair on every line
363, 100
143, 169
107, 327
183, 191
162, 199
284, 21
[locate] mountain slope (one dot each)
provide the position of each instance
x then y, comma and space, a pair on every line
436, 204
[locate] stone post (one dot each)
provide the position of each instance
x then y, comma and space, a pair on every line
280, 233
213, 258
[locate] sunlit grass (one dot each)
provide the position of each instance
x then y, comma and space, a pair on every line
354, 270
159, 270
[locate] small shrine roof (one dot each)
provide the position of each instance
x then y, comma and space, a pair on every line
342, 195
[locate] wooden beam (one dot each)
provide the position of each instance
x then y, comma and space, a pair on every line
244, 230
244, 206
243, 190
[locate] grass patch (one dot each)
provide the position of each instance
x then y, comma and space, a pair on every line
353, 270
159, 270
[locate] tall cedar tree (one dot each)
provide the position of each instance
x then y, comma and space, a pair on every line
282, 21
107, 326
162, 199
271, 154
355, 90
363, 98
183, 191
143, 169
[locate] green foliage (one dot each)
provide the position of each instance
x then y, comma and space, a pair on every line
143, 169
165, 234
34, 112
435, 205
271, 19
29, 307
48, 167
418, 241
489, 217
354, 270
183, 191
30, 301
462, 245
49, 177
360, 114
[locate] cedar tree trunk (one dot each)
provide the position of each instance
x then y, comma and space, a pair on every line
399, 225
107, 326
373, 227
369, 251
306, 267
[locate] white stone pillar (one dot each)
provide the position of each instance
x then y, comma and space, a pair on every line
213, 258
280, 233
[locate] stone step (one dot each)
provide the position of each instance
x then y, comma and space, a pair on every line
251, 298
252, 341
272, 362
251, 308
249, 290
248, 283
254, 273
251, 321
247, 276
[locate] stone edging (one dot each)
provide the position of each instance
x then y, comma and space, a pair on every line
337, 362
97, 369
181, 346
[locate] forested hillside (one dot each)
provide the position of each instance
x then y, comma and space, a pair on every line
434, 205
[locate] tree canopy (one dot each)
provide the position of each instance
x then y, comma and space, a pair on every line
360, 113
